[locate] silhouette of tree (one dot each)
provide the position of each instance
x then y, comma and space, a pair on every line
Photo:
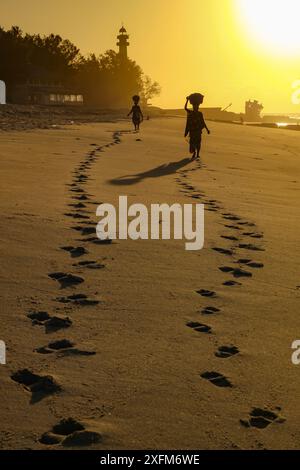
106, 80
150, 89
109, 81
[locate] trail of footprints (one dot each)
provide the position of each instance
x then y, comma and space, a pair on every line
68, 432
243, 236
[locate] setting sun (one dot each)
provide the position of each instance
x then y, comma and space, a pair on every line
273, 23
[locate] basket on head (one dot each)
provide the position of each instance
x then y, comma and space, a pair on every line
196, 99
136, 99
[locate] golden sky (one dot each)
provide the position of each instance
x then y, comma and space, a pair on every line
210, 46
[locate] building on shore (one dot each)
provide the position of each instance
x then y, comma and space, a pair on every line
253, 110
123, 44
2, 92
41, 93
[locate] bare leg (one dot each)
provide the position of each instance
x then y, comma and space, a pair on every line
198, 149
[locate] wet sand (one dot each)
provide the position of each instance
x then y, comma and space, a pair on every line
162, 348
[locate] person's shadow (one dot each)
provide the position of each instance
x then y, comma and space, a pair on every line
162, 170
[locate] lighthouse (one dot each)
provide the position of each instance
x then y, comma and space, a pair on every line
123, 43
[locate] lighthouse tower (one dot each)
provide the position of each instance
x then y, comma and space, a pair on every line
123, 43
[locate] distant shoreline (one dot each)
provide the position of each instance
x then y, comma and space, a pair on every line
28, 117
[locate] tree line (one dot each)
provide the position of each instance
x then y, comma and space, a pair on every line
104, 80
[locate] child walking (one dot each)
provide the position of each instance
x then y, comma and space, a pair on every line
137, 115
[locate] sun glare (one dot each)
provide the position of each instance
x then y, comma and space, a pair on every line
275, 24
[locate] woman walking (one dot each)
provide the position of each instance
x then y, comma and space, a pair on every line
195, 124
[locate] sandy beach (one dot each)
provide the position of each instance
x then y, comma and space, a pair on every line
143, 344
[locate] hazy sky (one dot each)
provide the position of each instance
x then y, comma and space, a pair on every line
187, 45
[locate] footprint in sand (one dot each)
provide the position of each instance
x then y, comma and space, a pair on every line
253, 235
231, 283
81, 175
79, 205
88, 223
230, 237
231, 217
223, 251
225, 352
64, 347
210, 311
55, 346
77, 215
77, 228
97, 241
256, 265
206, 293
78, 299
236, 272
217, 379
75, 252
250, 263
213, 205
51, 324
38, 317
88, 230
90, 265
77, 190
199, 327
234, 227
39, 385
244, 261
247, 224
57, 322
249, 246
96, 203
70, 432
82, 198
262, 418
81, 179
66, 280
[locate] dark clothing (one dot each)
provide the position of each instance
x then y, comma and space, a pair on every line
194, 125
136, 114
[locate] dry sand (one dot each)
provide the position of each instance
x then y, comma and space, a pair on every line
141, 386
